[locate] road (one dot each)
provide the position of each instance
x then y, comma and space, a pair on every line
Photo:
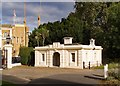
39, 75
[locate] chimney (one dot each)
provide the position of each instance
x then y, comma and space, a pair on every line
92, 42
68, 40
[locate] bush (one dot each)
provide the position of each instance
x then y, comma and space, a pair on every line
25, 54
99, 67
115, 74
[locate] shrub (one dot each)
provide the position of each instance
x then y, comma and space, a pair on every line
99, 67
115, 74
25, 54
113, 65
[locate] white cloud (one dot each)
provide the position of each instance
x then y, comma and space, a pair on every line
48, 12
38, 0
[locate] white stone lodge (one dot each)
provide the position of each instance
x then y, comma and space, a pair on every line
68, 55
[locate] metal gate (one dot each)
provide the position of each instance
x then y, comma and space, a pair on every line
4, 58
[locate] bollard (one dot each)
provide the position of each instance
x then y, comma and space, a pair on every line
106, 71
89, 65
83, 65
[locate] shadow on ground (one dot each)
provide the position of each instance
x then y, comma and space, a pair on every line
55, 82
96, 77
14, 79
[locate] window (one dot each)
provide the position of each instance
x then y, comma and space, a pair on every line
17, 39
43, 57
73, 57
21, 40
5, 34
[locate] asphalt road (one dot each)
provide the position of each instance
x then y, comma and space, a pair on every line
56, 76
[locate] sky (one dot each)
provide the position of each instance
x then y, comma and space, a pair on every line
48, 11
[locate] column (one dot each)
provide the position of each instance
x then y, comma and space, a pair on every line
11, 33
50, 58
100, 57
80, 56
36, 58
8, 47
62, 58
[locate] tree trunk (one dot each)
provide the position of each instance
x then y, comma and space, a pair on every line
43, 40
38, 42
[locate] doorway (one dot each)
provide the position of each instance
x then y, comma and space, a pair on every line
56, 59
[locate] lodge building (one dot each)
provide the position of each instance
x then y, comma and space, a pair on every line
68, 55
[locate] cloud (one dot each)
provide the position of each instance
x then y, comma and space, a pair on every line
0, 12
38, 0
49, 12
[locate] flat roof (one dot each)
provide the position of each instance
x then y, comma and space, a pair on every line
67, 37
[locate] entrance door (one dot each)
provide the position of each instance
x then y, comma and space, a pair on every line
56, 59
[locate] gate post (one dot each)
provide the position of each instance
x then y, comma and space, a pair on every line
8, 47
0, 59
106, 71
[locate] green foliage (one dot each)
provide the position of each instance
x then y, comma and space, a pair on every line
114, 75
113, 65
43, 33
4, 83
99, 67
110, 66
25, 54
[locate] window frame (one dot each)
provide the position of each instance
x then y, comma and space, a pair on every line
43, 57
73, 57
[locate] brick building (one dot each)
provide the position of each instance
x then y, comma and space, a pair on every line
18, 34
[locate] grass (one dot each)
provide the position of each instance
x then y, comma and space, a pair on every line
110, 66
99, 67
5, 83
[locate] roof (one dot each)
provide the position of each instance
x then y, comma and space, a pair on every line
72, 44
67, 37
69, 47
6, 25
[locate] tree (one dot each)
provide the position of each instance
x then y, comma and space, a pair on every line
38, 36
32, 40
43, 32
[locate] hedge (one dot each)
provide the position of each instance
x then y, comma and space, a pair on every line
25, 54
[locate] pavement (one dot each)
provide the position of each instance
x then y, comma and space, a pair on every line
39, 75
